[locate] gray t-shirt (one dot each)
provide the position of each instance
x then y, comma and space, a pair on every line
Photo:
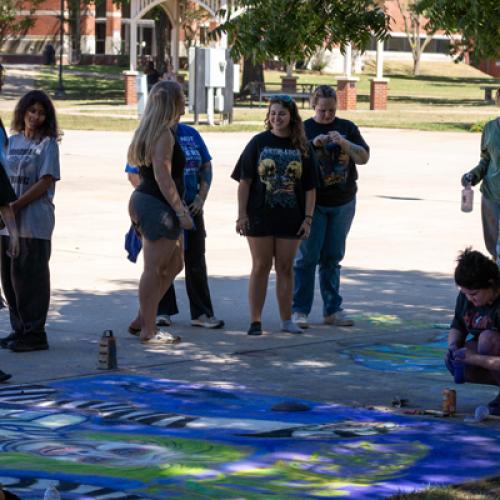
27, 161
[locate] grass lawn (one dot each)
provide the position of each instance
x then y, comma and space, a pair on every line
477, 490
446, 96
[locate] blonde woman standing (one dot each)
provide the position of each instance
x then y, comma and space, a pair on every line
156, 207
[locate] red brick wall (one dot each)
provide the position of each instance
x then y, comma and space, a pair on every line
346, 94
491, 66
378, 95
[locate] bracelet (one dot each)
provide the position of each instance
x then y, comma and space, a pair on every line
181, 214
308, 217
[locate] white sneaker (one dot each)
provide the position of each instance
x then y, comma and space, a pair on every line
339, 318
163, 320
300, 319
205, 322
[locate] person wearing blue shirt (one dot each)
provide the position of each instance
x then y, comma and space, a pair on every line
197, 180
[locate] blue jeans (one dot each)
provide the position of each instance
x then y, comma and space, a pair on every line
326, 247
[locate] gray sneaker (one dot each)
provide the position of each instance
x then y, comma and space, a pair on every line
300, 319
163, 320
339, 318
207, 322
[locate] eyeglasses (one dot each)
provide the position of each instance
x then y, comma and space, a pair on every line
281, 97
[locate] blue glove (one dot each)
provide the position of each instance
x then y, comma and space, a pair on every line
448, 361
459, 365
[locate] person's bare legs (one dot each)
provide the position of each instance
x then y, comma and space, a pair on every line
285, 250
262, 250
162, 262
175, 267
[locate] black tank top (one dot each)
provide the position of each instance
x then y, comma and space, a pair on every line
148, 183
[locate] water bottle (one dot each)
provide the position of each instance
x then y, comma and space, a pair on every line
51, 493
480, 414
467, 198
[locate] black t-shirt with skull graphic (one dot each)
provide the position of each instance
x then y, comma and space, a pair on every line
338, 181
281, 175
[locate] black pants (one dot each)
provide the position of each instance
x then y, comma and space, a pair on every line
26, 284
196, 275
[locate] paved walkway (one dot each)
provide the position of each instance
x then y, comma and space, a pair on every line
396, 278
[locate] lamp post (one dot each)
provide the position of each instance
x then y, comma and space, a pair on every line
60, 87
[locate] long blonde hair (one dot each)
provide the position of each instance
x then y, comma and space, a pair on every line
165, 105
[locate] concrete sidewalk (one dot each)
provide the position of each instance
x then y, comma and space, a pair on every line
396, 278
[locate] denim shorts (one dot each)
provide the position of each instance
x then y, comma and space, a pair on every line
153, 218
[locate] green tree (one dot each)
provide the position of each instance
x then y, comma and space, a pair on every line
476, 22
292, 31
414, 22
10, 24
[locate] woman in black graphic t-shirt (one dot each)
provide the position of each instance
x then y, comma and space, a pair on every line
276, 195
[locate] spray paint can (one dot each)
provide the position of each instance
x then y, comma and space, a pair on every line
449, 402
107, 351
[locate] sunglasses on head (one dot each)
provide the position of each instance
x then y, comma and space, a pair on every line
281, 97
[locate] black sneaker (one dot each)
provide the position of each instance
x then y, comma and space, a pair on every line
30, 342
255, 328
5, 341
4, 376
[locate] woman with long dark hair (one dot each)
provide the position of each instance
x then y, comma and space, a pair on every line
276, 195
32, 164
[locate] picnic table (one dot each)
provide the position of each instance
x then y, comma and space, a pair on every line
304, 94
262, 91
488, 91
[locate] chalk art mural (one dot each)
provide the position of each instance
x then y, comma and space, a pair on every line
132, 437
395, 357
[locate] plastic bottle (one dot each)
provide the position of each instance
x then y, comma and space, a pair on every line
51, 493
467, 198
480, 414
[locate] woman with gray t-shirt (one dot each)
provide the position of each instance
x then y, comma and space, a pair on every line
32, 165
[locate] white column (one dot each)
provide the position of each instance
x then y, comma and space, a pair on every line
348, 60
380, 59
210, 105
175, 47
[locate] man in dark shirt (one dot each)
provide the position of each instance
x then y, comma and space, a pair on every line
474, 340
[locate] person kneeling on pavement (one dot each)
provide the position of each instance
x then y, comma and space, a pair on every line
474, 340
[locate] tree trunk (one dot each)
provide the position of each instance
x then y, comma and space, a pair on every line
161, 21
74, 8
251, 73
416, 65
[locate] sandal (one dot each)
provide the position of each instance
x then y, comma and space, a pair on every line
162, 338
133, 330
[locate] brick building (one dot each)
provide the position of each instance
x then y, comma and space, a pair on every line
104, 32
